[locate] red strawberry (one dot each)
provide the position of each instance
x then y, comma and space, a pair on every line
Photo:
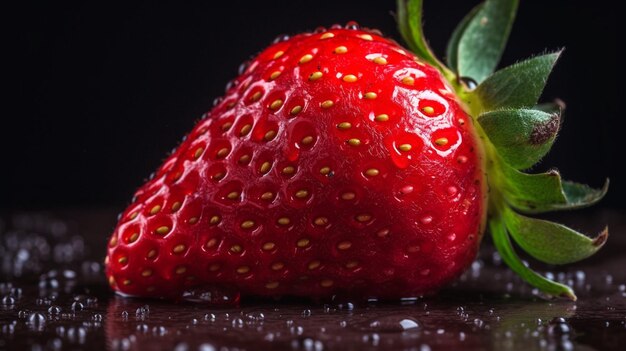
337, 163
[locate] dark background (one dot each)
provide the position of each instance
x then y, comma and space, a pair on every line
98, 93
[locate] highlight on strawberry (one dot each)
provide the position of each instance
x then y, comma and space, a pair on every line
341, 163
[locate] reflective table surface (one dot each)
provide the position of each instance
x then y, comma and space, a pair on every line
53, 296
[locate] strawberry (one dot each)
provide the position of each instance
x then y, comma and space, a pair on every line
339, 162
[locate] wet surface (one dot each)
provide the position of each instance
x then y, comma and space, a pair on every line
53, 296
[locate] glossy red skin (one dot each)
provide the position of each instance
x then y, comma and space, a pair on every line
426, 205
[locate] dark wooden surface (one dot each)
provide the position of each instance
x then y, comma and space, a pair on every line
53, 297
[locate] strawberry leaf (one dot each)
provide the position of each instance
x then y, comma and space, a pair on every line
409, 18
478, 42
545, 192
551, 242
516, 86
521, 137
505, 248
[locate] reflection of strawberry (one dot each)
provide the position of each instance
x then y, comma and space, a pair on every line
339, 162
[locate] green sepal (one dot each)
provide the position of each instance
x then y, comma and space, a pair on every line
521, 137
516, 86
545, 192
482, 38
409, 18
551, 242
505, 249
452, 50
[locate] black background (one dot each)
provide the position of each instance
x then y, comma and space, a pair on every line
98, 93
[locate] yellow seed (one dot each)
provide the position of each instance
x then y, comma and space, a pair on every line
408, 80
106, 260
218, 175
380, 60
307, 140
428, 110
122, 260
247, 224
226, 126
344, 245
267, 195
405, 147
244, 159
151, 289
383, 233
441, 141
350, 78
268, 246
283, 221
243, 269
324, 170
327, 35
256, 96
306, 58
321, 221
326, 283
265, 167
211, 243
461, 121
181, 270
198, 152
315, 76
193, 220
366, 37
296, 110
278, 54
176, 206
113, 241
314, 264
327, 104
271, 285
340, 50
275, 75
146, 273
301, 194
352, 264
289, 170
233, 195
372, 172
383, 117
155, 209
214, 267
303, 242
151, 254
344, 125
179, 248
127, 282
363, 218
162, 230
133, 238
111, 281
245, 130
371, 95
276, 104
214, 220
271, 134
236, 248
354, 142
222, 152
277, 266
348, 196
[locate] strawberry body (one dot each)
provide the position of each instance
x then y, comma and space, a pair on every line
336, 163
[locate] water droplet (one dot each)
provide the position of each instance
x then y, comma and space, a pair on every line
306, 313
558, 328
77, 306
390, 324
54, 310
471, 83
37, 321
8, 301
